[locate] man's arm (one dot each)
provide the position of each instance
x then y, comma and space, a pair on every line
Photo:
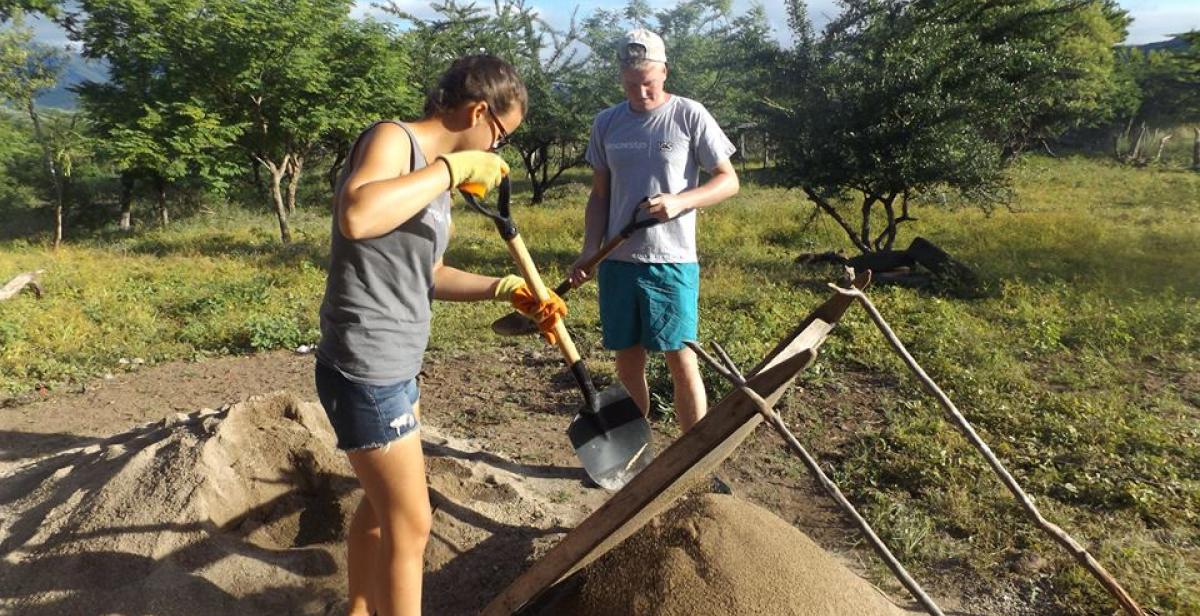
722, 185
595, 221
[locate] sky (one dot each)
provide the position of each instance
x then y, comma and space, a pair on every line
1154, 20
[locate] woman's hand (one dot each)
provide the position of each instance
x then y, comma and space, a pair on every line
546, 314
474, 171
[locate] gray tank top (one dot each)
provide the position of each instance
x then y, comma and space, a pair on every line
376, 311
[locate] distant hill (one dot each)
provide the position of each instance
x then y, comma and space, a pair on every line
1172, 44
77, 70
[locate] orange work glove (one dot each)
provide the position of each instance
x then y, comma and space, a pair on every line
545, 314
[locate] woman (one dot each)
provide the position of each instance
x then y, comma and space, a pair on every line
391, 224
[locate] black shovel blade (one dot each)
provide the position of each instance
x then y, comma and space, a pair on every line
514, 324
613, 443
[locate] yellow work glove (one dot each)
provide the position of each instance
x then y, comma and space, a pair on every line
507, 286
474, 171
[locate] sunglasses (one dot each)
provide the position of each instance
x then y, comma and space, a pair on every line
504, 136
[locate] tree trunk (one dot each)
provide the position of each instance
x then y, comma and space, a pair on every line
277, 173
887, 238
868, 202
295, 170
1196, 149
126, 202
742, 148
1162, 145
164, 215
832, 212
1135, 147
335, 170
54, 175
259, 185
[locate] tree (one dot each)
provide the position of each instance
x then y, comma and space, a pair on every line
371, 79
898, 97
155, 129
1166, 94
196, 84
26, 70
721, 59
13, 9
554, 133
172, 142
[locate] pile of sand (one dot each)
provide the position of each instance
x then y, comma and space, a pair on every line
208, 513
244, 511
715, 554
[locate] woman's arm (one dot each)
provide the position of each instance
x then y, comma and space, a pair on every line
455, 285
381, 193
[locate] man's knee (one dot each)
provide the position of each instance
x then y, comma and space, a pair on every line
682, 363
631, 360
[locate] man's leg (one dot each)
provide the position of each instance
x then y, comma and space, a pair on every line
631, 370
691, 403
670, 320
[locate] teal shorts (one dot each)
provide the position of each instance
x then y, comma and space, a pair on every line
651, 304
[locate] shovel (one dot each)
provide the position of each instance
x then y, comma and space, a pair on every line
517, 324
609, 433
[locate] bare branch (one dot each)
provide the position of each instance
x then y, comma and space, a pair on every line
1058, 534
734, 376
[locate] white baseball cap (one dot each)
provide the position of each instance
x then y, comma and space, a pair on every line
642, 44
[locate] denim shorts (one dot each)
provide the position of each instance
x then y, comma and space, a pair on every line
651, 304
367, 416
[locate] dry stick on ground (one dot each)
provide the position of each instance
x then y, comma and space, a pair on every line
14, 286
1058, 534
731, 372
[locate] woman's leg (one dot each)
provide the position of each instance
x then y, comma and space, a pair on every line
363, 552
393, 479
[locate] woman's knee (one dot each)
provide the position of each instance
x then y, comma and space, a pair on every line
410, 529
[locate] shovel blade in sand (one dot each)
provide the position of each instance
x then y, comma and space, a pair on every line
612, 441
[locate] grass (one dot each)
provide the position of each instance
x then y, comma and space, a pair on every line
1079, 365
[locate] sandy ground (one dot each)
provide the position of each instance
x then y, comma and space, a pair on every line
169, 490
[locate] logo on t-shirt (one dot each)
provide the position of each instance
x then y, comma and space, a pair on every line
665, 146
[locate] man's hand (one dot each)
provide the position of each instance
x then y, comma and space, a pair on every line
578, 274
664, 206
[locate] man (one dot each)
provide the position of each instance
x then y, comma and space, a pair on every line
647, 153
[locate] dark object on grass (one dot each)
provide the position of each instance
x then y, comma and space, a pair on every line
922, 265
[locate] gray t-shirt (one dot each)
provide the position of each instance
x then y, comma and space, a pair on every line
376, 311
652, 152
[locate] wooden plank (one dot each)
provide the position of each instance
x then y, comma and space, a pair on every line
689, 459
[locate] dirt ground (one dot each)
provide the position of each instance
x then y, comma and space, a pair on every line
485, 404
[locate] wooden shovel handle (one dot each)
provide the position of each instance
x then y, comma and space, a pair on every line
520, 254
